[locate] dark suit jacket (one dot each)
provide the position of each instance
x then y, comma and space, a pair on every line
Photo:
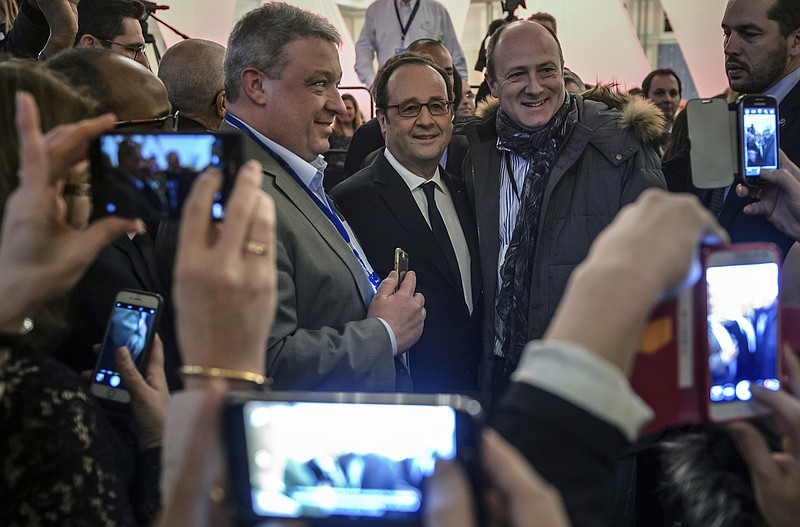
368, 139
573, 450
743, 228
381, 210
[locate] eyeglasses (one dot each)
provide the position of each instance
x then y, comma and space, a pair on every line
166, 123
136, 50
412, 109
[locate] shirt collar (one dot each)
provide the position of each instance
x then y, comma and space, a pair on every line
782, 88
412, 180
305, 170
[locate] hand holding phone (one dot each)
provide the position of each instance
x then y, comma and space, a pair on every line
133, 324
758, 137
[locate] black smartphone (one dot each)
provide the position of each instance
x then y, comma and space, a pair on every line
400, 264
133, 323
149, 176
758, 136
743, 321
345, 457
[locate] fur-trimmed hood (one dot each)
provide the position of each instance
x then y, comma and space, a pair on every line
640, 116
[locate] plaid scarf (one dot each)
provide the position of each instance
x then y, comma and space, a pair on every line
540, 147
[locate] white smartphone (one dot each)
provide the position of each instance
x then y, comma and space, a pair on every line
713, 158
743, 320
133, 322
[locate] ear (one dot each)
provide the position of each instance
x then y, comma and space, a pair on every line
492, 85
253, 86
794, 43
219, 104
90, 41
381, 121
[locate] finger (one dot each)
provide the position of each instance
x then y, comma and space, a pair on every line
388, 285
785, 411
791, 365
66, 144
155, 368
743, 191
90, 241
409, 284
448, 497
189, 486
240, 208
32, 158
87, 374
132, 379
753, 448
196, 215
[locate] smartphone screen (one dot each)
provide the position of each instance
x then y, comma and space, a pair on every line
758, 136
149, 176
328, 460
133, 325
743, 338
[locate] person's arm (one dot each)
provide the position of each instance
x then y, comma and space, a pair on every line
451, 42
366, 47
43, 26
780, 201
41, 256
570, 394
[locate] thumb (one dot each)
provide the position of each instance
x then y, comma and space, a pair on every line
102, 232
753, 448
388, 285
132, 379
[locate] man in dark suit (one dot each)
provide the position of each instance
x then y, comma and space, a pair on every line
368, 137
335, 329
769, 65
404, 199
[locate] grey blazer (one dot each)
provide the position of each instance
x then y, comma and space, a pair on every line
320, 339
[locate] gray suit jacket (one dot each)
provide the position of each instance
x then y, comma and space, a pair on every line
320, 339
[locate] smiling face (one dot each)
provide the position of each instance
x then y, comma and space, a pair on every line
756, 54
416, 142
299, 107
529, 78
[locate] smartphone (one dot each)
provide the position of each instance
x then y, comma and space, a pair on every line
149, 176
400, 264
743, 321
713, 158
758, 136
133, 323
345, 457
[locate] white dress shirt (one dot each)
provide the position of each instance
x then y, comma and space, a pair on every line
444, 202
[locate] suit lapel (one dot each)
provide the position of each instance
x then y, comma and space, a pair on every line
286, 185
138, 265
398, 199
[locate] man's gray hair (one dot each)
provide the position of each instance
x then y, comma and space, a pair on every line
192, 73
260, 37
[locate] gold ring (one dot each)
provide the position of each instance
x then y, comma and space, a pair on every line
259, 249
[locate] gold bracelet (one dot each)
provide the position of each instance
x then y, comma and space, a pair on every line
238, 375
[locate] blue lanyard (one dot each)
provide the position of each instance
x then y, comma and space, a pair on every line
325, 207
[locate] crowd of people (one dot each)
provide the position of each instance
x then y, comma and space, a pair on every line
542, 226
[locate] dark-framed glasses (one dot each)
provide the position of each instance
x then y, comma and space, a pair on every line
166, 123
412, 109
137, 51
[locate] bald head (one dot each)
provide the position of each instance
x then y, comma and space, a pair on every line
192, 71
120, 85
436, 52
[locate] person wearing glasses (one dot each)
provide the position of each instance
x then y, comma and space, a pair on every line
113, 24
405, 199
546, 172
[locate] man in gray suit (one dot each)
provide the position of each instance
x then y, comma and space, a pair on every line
337, 326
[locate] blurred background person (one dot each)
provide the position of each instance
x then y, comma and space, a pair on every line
343, 128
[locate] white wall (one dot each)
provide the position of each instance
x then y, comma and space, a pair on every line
598, 36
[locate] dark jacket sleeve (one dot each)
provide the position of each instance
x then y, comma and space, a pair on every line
573, 450
29, 34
